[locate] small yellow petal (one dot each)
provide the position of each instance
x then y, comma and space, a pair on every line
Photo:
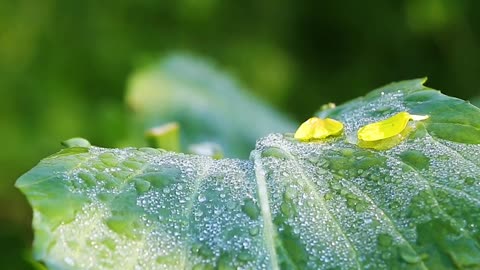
387, 128
326, 127
316, 128
305, 131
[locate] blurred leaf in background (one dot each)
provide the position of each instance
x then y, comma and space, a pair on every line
207, 103
476, 101
64, 65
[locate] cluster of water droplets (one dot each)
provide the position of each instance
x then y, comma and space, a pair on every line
150, 209
353, 207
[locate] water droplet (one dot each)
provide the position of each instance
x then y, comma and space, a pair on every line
88, 178
251, 209
108, 159
121, 174
198, 213
314, 159
121, 226
470, 180
166, 260
135, 165
205, 252
161, 179
286, 209
328, 196
202, 198
386, 255
290, 193
274, 152
108, 180
253, 231
141, 185
109, 243
244, 256
361, 206
231, 205
385, 240
415, 159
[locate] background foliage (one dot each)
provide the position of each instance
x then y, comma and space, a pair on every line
64, 65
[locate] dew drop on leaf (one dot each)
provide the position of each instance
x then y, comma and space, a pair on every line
253, 231
201, 198
141, 185
385, 240
108, 159
251, 209
274, 152
88, 178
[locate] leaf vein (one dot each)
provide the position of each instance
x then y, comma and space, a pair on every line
312, 185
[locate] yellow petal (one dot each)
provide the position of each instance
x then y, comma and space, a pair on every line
326, 127
387, 128
305, 131
316, 128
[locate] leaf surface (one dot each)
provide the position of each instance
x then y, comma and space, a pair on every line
328, 204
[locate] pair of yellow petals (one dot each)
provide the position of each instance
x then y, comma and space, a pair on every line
316, 128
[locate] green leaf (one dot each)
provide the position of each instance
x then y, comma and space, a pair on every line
208, 105
293, 205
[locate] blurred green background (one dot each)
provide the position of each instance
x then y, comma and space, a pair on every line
64, 65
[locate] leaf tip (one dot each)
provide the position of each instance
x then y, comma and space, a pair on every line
423, 80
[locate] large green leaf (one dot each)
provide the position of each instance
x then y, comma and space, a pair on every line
292, 205
209, 105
